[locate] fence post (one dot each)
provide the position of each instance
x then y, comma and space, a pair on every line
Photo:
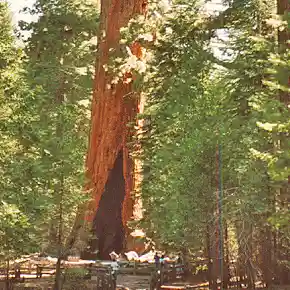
134, 267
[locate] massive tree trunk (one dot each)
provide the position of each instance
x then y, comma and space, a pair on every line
109, 166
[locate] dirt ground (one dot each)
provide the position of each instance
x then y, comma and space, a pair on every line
128, 282
133, 282
124, 282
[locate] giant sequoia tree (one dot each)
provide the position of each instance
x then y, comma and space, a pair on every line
114, 105
214, 147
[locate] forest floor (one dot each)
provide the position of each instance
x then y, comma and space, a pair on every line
125, 282
128, 282
133, 282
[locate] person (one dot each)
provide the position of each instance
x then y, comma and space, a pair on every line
17, 271
179, 259
179, 267
162, 260
38, 271
115, 268
157, 260
90, 271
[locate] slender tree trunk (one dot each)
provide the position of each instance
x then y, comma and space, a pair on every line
227, 259
249, 266
209, 257
60, 186
58, 282
212, 256
7, 283
266, 254
282, 252
241, 260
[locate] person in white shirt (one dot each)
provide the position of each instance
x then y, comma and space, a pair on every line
115, 267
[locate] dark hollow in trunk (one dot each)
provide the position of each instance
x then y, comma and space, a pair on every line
107, 225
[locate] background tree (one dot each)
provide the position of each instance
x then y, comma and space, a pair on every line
48, 120
14, 223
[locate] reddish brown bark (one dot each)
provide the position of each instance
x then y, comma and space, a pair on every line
113, 107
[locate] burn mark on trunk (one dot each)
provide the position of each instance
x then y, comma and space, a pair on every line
108, 226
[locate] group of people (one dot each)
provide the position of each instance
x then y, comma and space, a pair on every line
159, 261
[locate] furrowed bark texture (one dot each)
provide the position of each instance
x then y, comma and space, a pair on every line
113, 107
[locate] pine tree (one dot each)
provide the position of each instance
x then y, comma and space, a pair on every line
10, 65
49, 119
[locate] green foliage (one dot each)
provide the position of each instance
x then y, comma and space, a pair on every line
46, 117
14, 233
14, 223
53, 116
195, 102
177, 74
